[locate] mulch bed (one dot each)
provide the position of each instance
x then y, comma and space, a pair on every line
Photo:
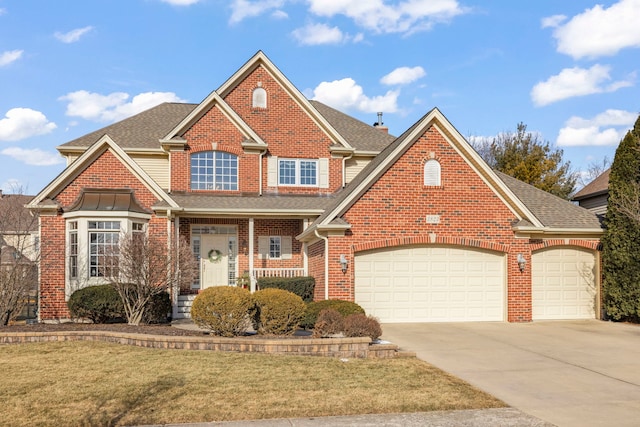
162, 329
115, 327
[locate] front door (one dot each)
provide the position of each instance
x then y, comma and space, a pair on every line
214, 261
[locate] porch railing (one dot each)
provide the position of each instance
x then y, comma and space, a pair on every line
278, 272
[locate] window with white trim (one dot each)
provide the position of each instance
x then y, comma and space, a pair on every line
73, 249
432, 173
104, 237
275, 247
298, 172
214, 170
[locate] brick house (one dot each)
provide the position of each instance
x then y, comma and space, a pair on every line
260, 180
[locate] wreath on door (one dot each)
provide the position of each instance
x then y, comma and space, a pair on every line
214, 255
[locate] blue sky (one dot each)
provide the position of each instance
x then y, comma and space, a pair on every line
567, 69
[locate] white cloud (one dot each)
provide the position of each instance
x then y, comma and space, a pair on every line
403, 75
242, 9
607, 128
380, 16
113, 107
345, 94
34, 156
552, 21
576, 82
22, 123
10, 56
2, 11
600, 31
73, 35
319, 34
180, 2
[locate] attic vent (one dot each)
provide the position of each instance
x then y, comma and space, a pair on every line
259, 98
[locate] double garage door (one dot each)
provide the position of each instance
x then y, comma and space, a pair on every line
454, 284
431, 284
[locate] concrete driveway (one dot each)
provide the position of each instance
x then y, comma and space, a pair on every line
569, 373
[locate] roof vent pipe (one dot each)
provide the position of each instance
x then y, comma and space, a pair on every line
379, 124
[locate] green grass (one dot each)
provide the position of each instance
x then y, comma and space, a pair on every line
100, 384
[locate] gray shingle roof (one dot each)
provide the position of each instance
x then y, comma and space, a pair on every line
250, 204
551, 211
360, 135
143, 130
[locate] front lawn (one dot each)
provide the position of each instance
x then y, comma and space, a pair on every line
92, 383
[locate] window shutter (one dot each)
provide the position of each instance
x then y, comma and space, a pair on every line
285, 247
263, 247
323, 173
272, 171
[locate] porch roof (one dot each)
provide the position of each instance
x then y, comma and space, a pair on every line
248, 205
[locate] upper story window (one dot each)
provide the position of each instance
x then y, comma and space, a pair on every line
432, 173
259, 98
301, 172
214, 170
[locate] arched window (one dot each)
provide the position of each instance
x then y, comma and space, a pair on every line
432, 173
214, 170
259, 98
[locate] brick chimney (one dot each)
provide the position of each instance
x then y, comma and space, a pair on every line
380, 125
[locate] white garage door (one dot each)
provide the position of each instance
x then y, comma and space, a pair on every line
563, 284
430, 284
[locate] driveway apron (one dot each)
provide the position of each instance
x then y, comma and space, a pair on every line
569, 373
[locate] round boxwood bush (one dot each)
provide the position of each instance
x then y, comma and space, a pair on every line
158, 309
278, 312
100, 304
314, 308
224, 310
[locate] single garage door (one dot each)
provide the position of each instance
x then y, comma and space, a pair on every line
430, 284
563, 284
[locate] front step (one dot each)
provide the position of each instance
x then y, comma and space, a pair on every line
183, 309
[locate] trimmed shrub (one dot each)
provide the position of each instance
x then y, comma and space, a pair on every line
158, 309
100, 304
278, 312
330, 322
224, 310
314, 308
359, 325
301, 286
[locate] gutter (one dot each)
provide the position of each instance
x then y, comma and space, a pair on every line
326, 262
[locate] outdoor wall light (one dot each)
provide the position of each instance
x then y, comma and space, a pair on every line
521, 262
343, 263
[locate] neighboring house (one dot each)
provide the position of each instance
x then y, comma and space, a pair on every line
594, 196
259, 179
18, 227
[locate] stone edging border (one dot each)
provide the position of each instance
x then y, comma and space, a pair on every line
330, 347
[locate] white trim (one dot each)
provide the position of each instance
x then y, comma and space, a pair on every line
101, 146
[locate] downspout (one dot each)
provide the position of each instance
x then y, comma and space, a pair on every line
262, 153
326, 263
344, 169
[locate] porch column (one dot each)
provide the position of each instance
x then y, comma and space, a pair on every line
252, 278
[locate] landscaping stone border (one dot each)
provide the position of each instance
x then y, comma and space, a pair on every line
330, 347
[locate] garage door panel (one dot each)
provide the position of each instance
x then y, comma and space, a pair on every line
563, 284
431, 284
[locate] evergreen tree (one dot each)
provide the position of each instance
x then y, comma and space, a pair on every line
524, 156
621, 240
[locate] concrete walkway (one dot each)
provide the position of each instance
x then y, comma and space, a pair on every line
569, 373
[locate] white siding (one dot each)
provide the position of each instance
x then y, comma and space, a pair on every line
354, 166
156, 167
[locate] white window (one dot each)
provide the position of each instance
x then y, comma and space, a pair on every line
92, 241
298, 172
274, 247
103, 243
214, 170
432, 173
